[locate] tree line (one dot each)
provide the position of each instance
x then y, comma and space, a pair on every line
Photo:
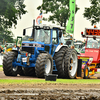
11, 11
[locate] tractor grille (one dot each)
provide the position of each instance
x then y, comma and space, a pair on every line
28, 49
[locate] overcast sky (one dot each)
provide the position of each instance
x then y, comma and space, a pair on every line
31, 6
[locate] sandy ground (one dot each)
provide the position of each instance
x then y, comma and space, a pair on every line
45, 85
48, 91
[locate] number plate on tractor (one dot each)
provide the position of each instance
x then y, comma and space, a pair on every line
24, 59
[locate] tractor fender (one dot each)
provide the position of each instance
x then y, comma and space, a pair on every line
59, 47
16, 51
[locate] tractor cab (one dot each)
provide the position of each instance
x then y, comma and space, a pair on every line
44, 53
44, 38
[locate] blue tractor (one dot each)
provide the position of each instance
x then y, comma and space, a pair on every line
44, 53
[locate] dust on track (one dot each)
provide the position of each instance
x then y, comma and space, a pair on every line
45, 85
47, 91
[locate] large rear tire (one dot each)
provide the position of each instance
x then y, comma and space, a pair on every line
44, 65
59, 61
8, 67
71, 63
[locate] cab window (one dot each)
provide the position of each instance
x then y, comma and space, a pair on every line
54, 37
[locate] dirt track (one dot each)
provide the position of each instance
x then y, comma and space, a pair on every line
48, 91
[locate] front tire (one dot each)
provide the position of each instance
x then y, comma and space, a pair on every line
8, 67
44, 65
71, 64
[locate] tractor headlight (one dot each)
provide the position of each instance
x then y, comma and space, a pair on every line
29, 54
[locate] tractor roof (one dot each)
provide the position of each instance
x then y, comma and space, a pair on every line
49, 26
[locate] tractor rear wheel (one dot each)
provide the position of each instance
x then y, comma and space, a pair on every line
71, 63
29, 71
59, 61
8, 67
86, 72
44, 65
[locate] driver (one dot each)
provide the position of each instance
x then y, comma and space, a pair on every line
47, 37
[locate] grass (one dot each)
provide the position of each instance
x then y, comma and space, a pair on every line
34, 81
64, 81
1, 69
97, 72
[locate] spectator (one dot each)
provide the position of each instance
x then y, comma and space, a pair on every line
72, 47
15, 47
18, 47
5, 49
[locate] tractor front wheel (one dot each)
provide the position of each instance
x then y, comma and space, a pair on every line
8, 66
44, 65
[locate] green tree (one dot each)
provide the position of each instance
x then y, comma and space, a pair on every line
92, 13
6, 37
10, 12
59, 10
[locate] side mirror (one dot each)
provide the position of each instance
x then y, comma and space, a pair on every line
24, 31
60, 34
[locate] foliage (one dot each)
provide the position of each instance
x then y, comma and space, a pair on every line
0, 65
6, 36
59, 10
10, 11
93, 12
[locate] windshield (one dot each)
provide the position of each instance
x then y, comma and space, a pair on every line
42, 35
76, 46
79, 45
91, 43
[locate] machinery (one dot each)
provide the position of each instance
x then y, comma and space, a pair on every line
78, 45
68, 40
92, 49
11, 45
44, 53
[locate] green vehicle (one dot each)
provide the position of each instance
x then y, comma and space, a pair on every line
82, 50
11, 45
78, 46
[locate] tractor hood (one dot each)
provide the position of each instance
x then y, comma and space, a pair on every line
32, 44
92, 53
